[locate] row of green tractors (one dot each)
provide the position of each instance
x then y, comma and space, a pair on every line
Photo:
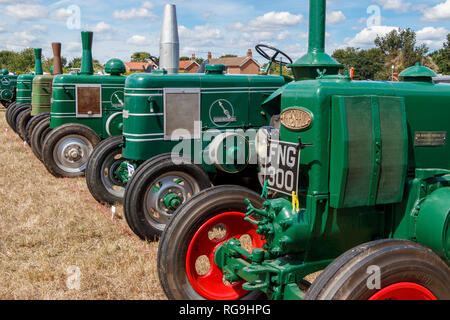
253, 182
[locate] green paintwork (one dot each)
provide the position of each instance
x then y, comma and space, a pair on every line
64, 108
316, 59
115, 67
144, 113
38, 62
41, 94
367, 175
25, 81
8, 86
87, 65
417, 72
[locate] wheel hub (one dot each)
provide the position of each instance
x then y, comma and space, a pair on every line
73, 153
173, 200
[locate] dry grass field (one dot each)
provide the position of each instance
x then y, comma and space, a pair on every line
52, 231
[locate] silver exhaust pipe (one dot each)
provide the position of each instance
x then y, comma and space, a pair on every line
169, 47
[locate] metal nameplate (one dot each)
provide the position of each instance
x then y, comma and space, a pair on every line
430, 139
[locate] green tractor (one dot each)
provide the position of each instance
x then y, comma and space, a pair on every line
182, 132
23, 92
362, 176
40, 99
8, 85
85, 109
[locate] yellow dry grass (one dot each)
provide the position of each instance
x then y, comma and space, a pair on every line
51, 228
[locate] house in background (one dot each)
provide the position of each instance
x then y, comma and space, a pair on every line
145, 67
189, 66
238, 65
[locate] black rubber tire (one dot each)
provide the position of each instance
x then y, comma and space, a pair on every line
103, 152
37, 137
21, 123
399, 261
189, 217
32, 123
55, 136
9, 113
15, 113
142, 179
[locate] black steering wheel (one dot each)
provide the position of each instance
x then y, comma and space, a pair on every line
154, 60
260, 49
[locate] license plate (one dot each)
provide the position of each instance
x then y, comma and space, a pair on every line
281, 169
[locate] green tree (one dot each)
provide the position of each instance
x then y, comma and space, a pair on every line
367, 63
442, 57
229, 56
140, 57
75, 63
47, 63
401, 51
18, 62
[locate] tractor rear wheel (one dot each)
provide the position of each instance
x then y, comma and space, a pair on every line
40, 131
14, 113
389, 269
186, 266
21, 123
106, 158
66, 150
32, 123
9, 111
156, 190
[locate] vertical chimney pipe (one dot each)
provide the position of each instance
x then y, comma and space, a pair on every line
169, 43
57, 64
38, 62
87, 65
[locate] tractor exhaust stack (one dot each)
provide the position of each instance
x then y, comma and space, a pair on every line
87, 66
316, 59
169, 43
57, 64
38, 62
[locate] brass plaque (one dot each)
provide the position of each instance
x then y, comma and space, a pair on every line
430, 139
296, 119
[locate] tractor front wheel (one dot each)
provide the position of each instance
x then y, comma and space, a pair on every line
32, 123
384, 270
66, 150
186, 266
21, 123
101, 169
40, 131
157, 188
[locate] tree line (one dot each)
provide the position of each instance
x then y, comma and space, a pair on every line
399, 48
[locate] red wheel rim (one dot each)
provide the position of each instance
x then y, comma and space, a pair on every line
211, 285
403, 291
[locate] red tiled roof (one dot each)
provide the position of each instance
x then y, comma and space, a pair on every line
137, 65
186, 63
232, 62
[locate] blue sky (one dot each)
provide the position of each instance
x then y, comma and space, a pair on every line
227, 26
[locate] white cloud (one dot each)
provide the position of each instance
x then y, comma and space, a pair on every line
367, 36
438, 12
61, 14
335, 17
200, 36
26, 11
276, 20
138, 40
432, 37
136, 13
396, 5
